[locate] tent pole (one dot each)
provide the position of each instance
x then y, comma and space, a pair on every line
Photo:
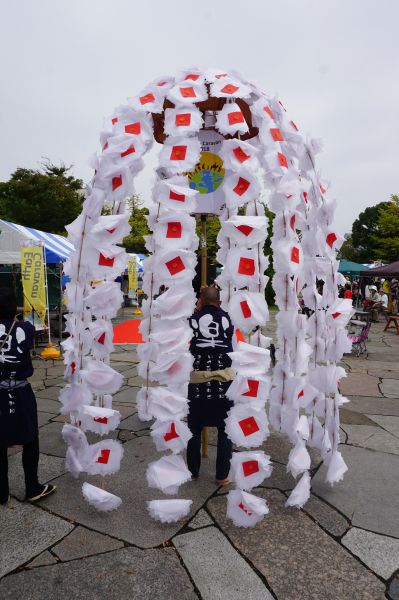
203, 284
46, 284
60, 305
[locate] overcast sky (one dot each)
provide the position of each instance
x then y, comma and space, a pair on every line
334, 63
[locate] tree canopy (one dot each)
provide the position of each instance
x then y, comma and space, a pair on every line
135, 242
387, 240
47, 198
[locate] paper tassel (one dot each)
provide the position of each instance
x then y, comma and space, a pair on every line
170, 435
100, 499
301, 492
169, 511
99, 420
103, 458
168, 474
249, 469
245, 510
246, 426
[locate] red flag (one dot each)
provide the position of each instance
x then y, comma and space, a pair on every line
188, 92
192, 76
295, 255
268, 111
114, 120
183, 119
241, 187
174, 229
133, 128
330, 239
248, 426
253, 385
130, 150
102, 420
178, 153
249, 467
282, 160
240, 154
172, 434
147, 98
244, 229
103, 261
246, 266
229, 89
175, 265
244, 508
235, 117
104, 456
101, 339
116, 182
276, 134
246, 311
292, 222
178, 197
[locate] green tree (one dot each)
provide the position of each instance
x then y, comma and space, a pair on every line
387, 241
135, 242
365, 231
47, 198
347, 250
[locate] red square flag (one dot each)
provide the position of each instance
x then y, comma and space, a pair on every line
182, 119
253, 386
174, 229
177, 197
249, 467
175, 265
178, 153
246, 266
104, 456
248, 426
240, 154
172, 434
133, 128
241, 187
103, 261
246, 311
235, 117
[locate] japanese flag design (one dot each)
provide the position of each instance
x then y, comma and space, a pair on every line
245, 510
241, 187
230, 120
180, 154
246, 426
182, 121
187, 92
249, 469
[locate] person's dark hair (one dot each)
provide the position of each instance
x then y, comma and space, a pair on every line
8, 304
347, 286
210, 295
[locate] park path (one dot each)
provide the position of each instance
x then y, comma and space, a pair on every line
344, 544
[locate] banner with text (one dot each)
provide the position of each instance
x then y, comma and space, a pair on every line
34, 284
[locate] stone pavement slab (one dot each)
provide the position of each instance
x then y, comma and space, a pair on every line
394, 588
126, 574
51, 441
45, 558
43, 418
49, 468
374, 406
369, 484
351, 417
125, 409
374, 438
390, 388
373, 364
126, 395
201, 519
202, 552
133, 423
51, 393
82, 542
131, 522
359, 384
26, 530
384, 374
379, 552
279, 478
47, 405
327, 517
297, 558
390, 424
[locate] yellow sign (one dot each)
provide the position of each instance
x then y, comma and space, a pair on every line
132, 274
33, 284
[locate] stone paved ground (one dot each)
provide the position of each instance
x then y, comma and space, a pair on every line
343, 545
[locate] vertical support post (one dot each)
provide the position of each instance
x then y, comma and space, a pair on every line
60, 305
204, 256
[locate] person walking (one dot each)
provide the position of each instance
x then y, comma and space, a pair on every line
209, 381
18, 411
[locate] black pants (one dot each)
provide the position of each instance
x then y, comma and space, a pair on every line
223, 455
30, 462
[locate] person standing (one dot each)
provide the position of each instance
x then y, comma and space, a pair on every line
209, 381
18, 411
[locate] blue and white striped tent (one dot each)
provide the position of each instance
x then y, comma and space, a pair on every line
12, 236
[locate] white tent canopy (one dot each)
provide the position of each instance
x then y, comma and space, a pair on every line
12, 236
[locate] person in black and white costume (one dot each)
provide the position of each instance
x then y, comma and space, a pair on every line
209, 381
18, 411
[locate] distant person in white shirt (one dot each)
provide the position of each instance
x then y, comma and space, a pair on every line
379, 305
